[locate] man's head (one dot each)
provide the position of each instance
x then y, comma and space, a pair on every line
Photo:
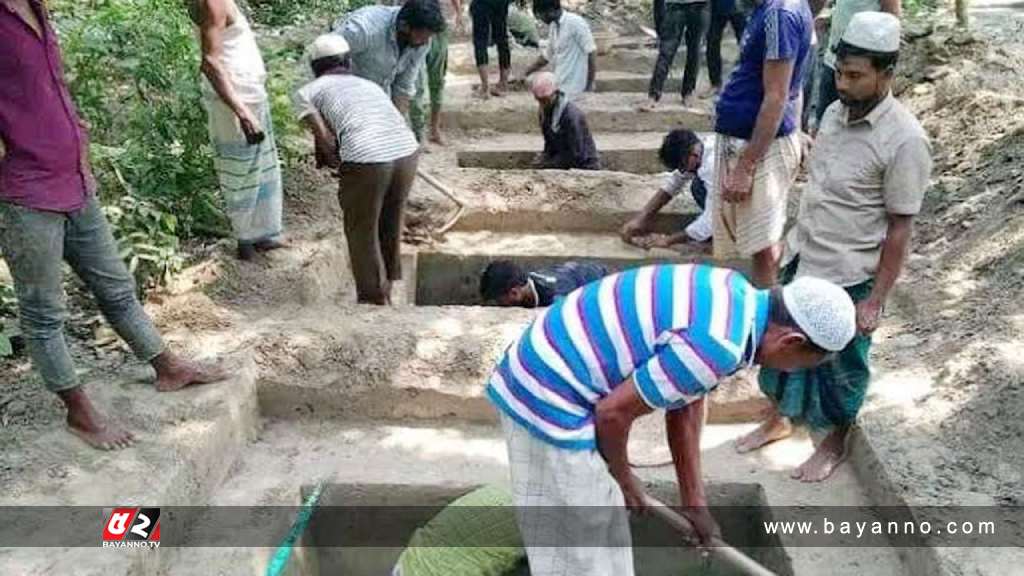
866, 59
418, 20
547, 11
505, 283
329, 53
544, 88
809, 319
682, 150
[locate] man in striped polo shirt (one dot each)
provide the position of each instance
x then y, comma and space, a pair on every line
656, 337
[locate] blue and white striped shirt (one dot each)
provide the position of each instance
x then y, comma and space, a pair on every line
676, 329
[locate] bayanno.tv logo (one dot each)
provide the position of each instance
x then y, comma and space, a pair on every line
131, 528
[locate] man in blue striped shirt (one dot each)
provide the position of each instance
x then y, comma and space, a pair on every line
656, 337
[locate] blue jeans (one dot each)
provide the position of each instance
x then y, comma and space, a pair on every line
36, 244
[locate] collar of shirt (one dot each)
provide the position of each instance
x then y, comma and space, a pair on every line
872, 117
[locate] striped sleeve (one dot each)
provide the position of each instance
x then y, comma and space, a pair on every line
684, 368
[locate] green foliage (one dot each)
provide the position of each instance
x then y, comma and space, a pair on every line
917, 7
133, 69
147, 240
284, 12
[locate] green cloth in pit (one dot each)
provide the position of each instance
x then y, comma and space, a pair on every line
476, 535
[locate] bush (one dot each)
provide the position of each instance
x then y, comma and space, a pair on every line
133, 69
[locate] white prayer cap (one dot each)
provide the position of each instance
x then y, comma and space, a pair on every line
327, 45
822, 310
874, 31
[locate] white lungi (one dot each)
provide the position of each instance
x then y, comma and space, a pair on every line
567, 497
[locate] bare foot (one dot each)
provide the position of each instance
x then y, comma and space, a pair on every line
709, 92
86, 423
826, 458
173, 373
482, 93
775, 428
648, 106
437, 138
686, 101
499, 91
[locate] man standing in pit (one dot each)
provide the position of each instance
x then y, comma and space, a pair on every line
869, 170
659, 337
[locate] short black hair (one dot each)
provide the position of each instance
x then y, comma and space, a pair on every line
499, 278
546, 5
779, 314
321, 66
676, 147
884, 61
422, 15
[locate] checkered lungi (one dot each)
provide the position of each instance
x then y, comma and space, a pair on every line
752, 226
571, 512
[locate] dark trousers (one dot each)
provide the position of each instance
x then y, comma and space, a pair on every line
827, 93
719, 19
372, 196
680, 20
490, 21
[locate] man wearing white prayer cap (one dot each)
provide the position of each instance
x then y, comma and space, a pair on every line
869, 169
655, 338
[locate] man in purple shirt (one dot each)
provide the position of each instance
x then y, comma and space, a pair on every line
49, 213
758, 144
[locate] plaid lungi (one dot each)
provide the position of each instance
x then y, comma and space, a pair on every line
249, 175
571, 512
828, 395
752, 226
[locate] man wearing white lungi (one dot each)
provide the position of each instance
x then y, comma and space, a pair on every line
758, 147
241, 131
658, 337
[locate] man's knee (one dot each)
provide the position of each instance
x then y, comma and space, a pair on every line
41, 313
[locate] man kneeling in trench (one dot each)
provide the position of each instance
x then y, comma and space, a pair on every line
569, 389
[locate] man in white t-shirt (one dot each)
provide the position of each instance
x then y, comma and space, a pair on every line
571, 50
684, 153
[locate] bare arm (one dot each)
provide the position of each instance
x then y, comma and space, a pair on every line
402, 103
539, 63
892, 7
642, 222
213, 19
326, 145
777, 74
683, 428
894, 254
591, 70
612, 421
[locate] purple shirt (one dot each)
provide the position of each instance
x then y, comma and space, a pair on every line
43, 168
777, 30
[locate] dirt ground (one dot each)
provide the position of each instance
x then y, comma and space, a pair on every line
956, 315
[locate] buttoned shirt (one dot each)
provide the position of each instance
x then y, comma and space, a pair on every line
43, 167
860, 172
372, 36
569, 46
